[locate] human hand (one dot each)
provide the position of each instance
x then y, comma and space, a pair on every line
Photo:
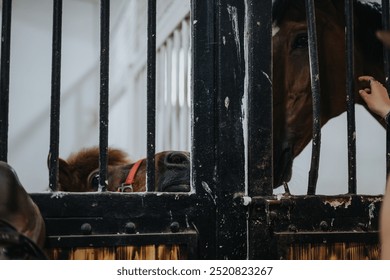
376, 97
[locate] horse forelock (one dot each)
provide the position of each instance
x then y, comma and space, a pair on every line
281, 7
88, 158
77, 168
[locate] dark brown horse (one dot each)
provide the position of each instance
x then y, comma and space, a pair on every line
22, 228
80, 172
293, 116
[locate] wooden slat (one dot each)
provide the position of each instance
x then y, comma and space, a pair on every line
335, 251
147, 252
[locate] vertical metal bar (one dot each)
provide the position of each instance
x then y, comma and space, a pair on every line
55, 94
4, 77
350, 88
151, 96
315, 87
231, 129
259, 29
104, 90
386, 60
203, 121
260, 169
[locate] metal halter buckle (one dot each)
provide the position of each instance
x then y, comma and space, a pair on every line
124, 187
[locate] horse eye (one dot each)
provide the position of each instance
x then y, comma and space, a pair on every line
95, 182
300, 42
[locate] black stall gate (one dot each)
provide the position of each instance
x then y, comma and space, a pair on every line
231, 212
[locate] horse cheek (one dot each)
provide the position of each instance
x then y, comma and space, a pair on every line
140, 181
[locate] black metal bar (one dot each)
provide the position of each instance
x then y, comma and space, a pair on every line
260, 170
151, 97
260, 173
4, 77
350, 93
386, 65
231, 125
203, 121
104, 90
315, 87
203, 154
55, 95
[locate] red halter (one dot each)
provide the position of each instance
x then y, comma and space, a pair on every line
128, 184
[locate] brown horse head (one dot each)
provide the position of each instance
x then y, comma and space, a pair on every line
79, 173
74, 172
292, 111
19, 217
172, 174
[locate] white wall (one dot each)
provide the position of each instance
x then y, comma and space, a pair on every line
333, 171
30, 82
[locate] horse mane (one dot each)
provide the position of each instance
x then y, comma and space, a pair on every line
88, 157
369, 13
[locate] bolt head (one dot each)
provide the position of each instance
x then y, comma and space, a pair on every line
175, 226
86, 228
130, 227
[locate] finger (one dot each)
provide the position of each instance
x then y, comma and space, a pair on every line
375, 83
364, 94
365, 78
366, 90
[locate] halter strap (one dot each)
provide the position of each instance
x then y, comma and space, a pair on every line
128, 184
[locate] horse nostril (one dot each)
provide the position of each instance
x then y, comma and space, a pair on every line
177, 158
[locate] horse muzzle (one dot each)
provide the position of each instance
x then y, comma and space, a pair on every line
176, 174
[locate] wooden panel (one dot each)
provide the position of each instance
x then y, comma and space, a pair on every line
147, 252
335, 251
